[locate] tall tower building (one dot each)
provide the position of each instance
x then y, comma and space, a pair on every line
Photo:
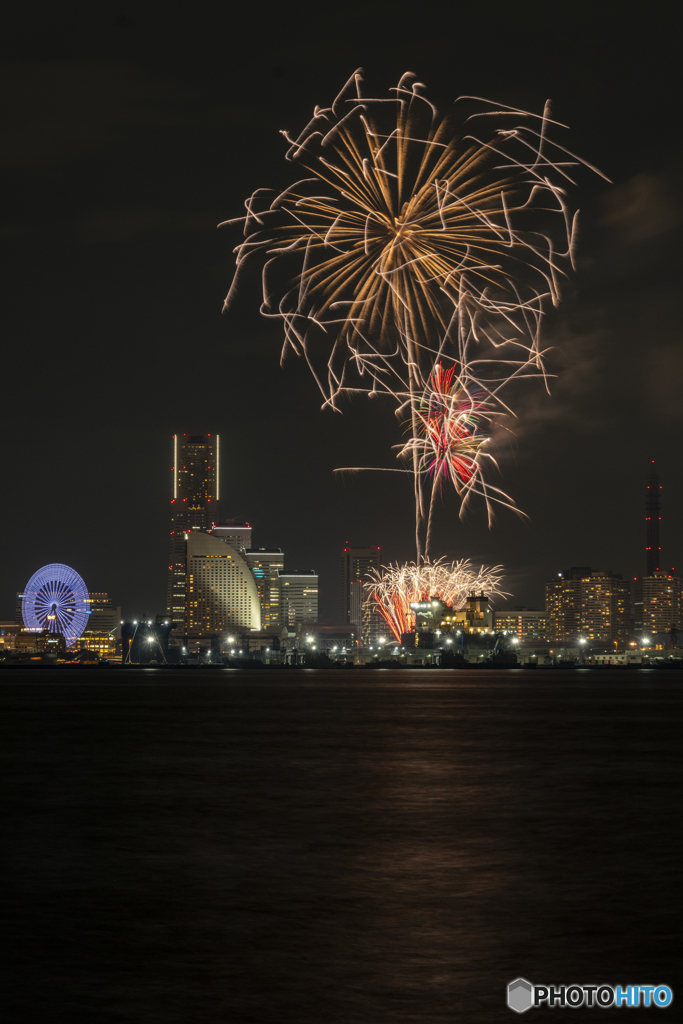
355, 564
194, 506
653, 509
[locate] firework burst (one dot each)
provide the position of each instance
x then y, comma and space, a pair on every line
452, 441
396, 587
415, 236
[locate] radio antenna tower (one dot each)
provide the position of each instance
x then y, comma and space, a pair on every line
653, 518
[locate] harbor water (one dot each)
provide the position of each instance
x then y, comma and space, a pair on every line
335, 847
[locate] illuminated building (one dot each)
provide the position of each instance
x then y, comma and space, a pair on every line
194, 506
266, 565
661, 596
477, 614
525, 623
583, 604
103, 643
298, 596
355, 564
563, 604
50, 643
105, 616
605, 608
234, 532
221, 590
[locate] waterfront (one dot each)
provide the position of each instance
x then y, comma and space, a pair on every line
335, 846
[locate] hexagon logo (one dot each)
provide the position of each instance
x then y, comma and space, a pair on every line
520, 995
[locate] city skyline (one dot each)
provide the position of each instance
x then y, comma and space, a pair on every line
266, 565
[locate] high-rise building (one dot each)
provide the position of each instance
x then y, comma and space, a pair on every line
234, 532
583, 604
194, 506
653, 518
266, 565
661, 602
563, 604
355, 565
605, 608
221, 590
298, 596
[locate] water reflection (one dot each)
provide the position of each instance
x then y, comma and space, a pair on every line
335, 847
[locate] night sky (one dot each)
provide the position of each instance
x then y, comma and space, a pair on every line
129, 133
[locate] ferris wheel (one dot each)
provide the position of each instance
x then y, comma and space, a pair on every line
56, 599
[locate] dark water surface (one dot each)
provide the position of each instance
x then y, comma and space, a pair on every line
336, 846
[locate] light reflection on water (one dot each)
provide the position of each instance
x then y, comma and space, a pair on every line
335, 846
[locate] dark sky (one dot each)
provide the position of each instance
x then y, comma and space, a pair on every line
129, 133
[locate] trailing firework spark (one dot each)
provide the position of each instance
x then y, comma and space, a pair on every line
415, 236
453, 434
451, 430
453, 422
396, 587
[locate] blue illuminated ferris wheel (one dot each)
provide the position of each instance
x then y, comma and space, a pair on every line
56, 599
